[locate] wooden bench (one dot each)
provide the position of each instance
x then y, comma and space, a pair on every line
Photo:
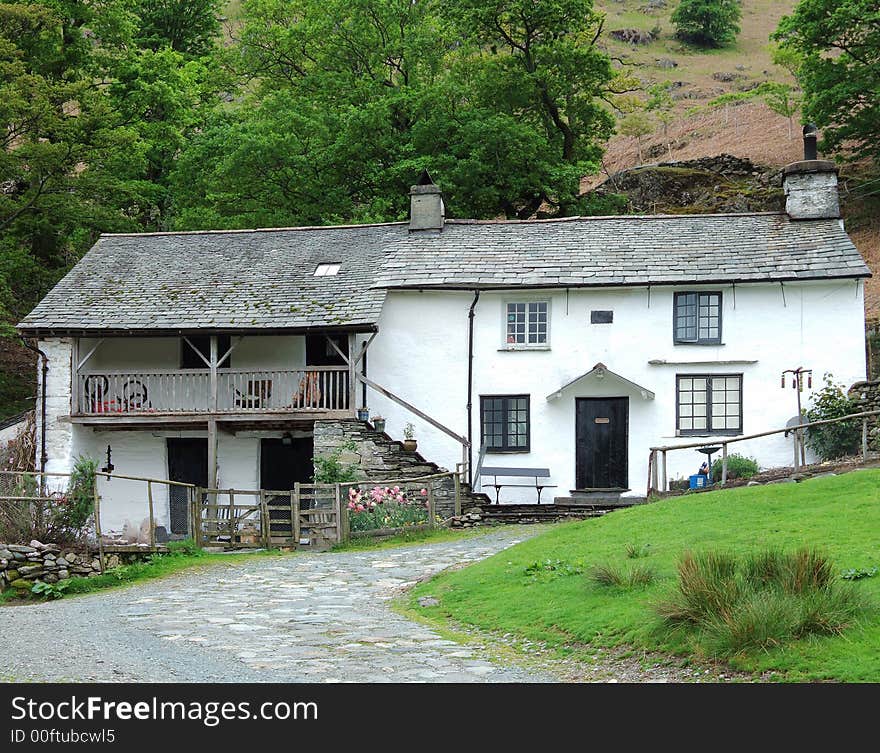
535, 473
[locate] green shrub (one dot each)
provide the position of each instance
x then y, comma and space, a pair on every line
50, 590
833, 440
734, 605
329, 469
738, 466
707, 23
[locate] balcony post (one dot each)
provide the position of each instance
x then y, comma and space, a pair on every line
74, 377
212, 420
352, 376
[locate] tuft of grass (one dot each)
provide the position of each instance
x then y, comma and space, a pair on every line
739, 604
637, 551
610, 576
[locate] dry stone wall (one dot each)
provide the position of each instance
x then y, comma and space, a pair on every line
377, 457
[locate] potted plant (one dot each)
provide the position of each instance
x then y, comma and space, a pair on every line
379, 423
409, 442
363, 414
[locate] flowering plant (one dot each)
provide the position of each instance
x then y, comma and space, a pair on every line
386, 507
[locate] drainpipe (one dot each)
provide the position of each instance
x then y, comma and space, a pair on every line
44, 458
470, 387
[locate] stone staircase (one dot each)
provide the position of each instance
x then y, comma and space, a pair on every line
546, 513
381, 458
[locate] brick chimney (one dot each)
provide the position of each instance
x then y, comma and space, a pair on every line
426, 211
811, 185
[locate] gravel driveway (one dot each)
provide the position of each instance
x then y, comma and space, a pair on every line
304, 618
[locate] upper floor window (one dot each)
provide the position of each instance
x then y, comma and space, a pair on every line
527, 323
505, 423
697, 318
708, 404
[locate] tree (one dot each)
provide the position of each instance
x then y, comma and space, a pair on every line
783, 100
839, 45
661, 105
502, 104
190, 27
637, 124
707, 23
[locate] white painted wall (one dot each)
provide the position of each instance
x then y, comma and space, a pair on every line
421, 354
59, 432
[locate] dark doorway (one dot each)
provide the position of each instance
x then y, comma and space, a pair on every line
187, 462
284, 462
601, 441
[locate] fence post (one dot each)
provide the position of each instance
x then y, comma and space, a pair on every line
865, 438
197, 510
337, 505
430, 505
723, 464
344, 521
232, 519
264, 520
650, 464
295, 520
98, 525
663, 485
457, 481
654, 472
152, 517
797, 449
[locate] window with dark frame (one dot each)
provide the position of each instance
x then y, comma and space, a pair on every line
708, 404
696, 318
189, 358
505, 423
527, 323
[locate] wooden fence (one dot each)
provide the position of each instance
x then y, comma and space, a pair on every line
658, 481
315, 516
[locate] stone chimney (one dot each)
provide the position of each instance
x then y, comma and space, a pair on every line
426, 211
811, 185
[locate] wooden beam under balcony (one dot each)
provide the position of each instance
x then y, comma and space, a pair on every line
123, 420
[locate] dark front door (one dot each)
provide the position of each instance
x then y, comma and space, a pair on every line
601, 437
187, 462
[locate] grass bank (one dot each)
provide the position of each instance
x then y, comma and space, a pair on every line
541, 589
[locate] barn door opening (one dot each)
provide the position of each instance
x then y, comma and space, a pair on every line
283, 463
602, 442
187, 462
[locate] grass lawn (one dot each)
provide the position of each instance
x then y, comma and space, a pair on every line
435, 535
513, 592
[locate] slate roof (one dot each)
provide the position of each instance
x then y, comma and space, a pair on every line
264, 279
602, 251
235, 280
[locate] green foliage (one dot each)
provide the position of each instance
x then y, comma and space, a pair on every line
50, 591
389, 515
833, 440
707, 23
837, 46
548, 569
738, 466
857, 573
79, 505
738, 604
190, 27
329, 469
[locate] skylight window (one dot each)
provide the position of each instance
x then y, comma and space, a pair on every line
327, 270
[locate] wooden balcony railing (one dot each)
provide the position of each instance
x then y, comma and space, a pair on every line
313, 388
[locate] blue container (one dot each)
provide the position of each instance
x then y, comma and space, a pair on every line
699, 481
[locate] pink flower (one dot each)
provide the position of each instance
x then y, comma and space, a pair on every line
424, 492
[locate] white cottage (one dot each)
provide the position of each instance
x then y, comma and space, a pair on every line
573, 345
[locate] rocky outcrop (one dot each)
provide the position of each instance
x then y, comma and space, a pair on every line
707, 185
